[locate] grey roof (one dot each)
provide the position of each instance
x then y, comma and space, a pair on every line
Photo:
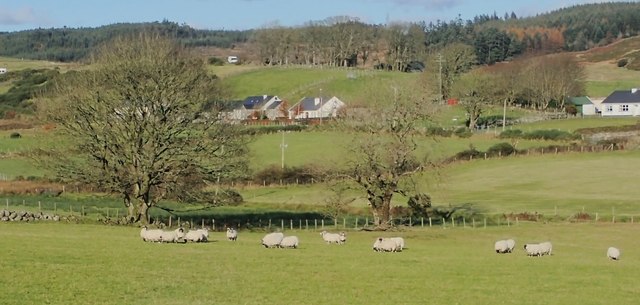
274, 105
309, 103
254, 102
623, 97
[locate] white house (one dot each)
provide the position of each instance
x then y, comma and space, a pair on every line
258, 107
622, 103
315, 108
3, 70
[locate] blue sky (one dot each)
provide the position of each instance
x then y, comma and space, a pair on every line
16, 15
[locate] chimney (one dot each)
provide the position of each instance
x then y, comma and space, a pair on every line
634, 90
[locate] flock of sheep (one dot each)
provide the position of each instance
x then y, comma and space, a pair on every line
271, 240
381, 244
541, 249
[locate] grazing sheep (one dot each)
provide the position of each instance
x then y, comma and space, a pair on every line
533, 249
174, 236
399, 241
545, 248
501, 246
272, 240
232, 234
333, 237
289, 242
385, 245
511, 244
613, 253
343, 237
200, 235
153, 235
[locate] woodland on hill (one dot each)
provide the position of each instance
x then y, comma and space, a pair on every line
345, 41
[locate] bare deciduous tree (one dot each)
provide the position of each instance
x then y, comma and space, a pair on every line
137, 122
384, 152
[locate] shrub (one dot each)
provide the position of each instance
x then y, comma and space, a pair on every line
511, 134
215, 61
15, 135
501, 149
438, 131
470, 153
463, 132
552, 134
623, 62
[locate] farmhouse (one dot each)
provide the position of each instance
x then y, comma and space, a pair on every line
622, 103
258, 107
315, 107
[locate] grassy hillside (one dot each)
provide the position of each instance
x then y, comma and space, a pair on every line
86, 264
14, 64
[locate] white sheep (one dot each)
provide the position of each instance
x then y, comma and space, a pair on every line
613, 253
533, 249
199, 235
385, 245
153, 235
232, 234
174, 236
501, 246
343, 237
289, 242
399, 241
545, 248
511, 244
333, 237
272, 240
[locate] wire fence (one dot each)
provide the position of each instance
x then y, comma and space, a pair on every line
15, 210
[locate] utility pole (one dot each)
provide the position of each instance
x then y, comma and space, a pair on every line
282, 147
504, 114
440, 61
320, 110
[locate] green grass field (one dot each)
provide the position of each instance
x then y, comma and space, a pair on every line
91, 264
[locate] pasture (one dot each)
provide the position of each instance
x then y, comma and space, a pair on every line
93, 264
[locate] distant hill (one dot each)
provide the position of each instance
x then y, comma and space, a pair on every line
73, 44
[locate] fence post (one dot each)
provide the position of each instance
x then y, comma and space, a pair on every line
429, 222
453, 222
517, 221
55, 207
39, 206
213, 224
344, 223
315, 224
464, 222
282, 224
269, 223
508, 222
179, 221
443, 222
356, 223
596, 217
291, 224
322, 223
613, 215
366, 221
306, 221
170, 219
300, 224
473, 222
422, 222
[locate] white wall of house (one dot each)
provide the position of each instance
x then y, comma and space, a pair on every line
614, 109
588, 109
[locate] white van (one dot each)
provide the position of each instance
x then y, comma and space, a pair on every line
232, 59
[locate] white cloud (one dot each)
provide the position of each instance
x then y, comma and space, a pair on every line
19, 16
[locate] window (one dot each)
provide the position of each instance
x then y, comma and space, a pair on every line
624, 108
609, 108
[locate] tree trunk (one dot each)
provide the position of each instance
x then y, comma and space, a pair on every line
137, 212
